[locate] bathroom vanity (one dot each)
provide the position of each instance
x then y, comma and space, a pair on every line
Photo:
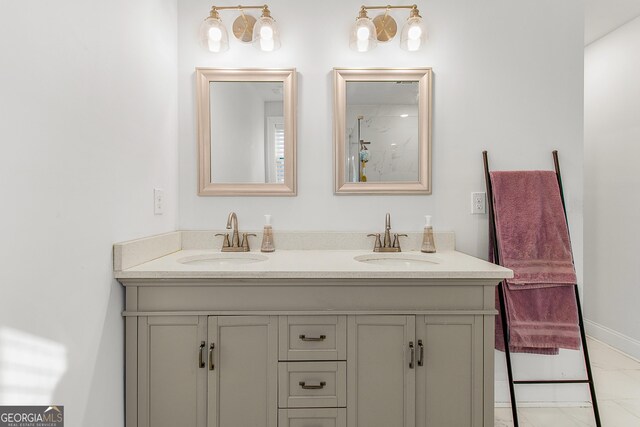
307, 336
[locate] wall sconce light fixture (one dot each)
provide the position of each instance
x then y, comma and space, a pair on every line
262, 33
366, 33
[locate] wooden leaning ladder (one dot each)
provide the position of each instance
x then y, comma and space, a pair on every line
505, 330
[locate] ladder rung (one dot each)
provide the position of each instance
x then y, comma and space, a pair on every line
553, 382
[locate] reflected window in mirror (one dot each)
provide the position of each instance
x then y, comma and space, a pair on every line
382, 131
246, 131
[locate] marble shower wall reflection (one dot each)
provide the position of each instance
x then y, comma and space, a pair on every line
391, 154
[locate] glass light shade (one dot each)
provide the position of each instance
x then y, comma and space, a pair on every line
414, 34
213, 35
266, 35
363, 35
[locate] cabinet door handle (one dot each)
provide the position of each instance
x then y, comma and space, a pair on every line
412, 352
421, 354
304, 385
211, 365
201, 354
306, 338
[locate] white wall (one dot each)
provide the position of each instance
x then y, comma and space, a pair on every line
508, 77
612, 183
88, 127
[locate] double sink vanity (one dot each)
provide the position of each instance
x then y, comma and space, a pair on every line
308, 335
331, 329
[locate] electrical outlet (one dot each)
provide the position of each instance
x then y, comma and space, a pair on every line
158, 201
478, 203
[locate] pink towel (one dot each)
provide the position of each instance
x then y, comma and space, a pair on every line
533, 241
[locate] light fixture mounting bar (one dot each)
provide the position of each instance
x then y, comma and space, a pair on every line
413, 6
239, 7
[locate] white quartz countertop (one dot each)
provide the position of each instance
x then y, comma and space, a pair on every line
315, 264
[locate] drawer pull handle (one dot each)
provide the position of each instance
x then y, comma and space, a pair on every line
211, 365
421, 353
412, 352
306, 338
320, 386
201, 354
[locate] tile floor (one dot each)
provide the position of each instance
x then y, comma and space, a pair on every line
617, 380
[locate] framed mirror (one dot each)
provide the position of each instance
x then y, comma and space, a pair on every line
246, 132
382, 131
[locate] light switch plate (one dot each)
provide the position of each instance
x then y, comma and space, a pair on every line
478, 203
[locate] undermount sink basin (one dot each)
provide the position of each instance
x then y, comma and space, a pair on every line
398, 259
223, 259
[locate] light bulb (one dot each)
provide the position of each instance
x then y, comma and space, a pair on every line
266, 35
266, 45
266, 32
404, 116
215, 34
414, 32
362, 36
363, 33
413, 45
214, 46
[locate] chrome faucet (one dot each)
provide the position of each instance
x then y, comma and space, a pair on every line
388, 245
234, 244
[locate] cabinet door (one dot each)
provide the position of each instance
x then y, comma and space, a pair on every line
243, 371
450, 380
171, 379
380, 375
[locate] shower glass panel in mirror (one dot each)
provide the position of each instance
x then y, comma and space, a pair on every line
246, 132
382, 131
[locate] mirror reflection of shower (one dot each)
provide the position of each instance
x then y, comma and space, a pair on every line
382, 130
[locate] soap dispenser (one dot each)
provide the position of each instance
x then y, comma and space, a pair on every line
267, 236
428, 245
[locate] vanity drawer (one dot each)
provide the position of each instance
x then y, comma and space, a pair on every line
325, 417
312, 384
313, 338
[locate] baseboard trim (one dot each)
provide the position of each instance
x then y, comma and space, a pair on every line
620, 342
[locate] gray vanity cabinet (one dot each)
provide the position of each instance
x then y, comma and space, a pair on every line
207, 371
402, 370
306, 354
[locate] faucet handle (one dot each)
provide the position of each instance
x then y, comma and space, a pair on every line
396, 240
225, 242
245, 241
378, 243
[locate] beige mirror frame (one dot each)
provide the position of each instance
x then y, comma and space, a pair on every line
424, 78
204, 77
